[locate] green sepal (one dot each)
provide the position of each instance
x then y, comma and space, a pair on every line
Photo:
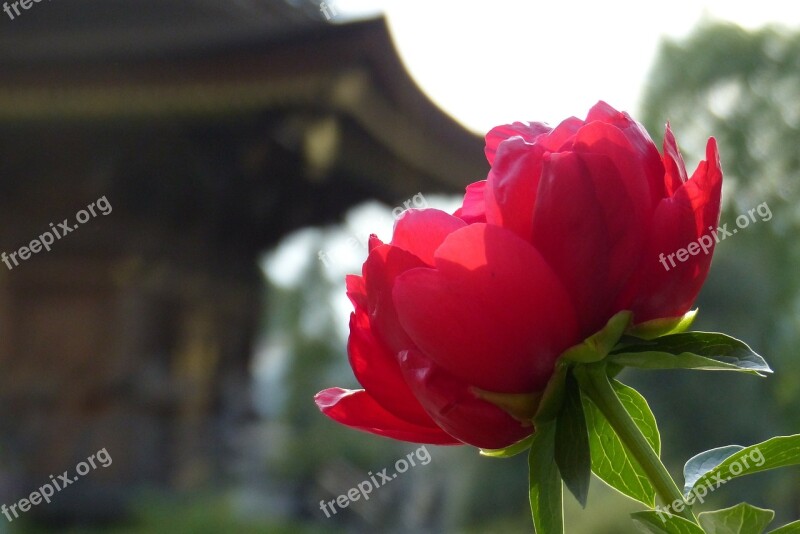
512, 450
553, 395
662, 327
597, 346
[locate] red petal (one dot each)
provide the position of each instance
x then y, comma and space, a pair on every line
456, 409
473, 209
632, 161
356, 291
561, 137
675, 174
639, 142
373, 242
383, 265
636, 158
587, 228
420, 232
704, 189
513, 182
378, 372
679, 221
603, 112
492, 313
357, 409
528, 131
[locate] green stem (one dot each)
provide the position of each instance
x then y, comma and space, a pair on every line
594, 382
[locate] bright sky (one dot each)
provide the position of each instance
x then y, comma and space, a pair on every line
492, 62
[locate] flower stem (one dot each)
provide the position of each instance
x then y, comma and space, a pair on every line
594, 382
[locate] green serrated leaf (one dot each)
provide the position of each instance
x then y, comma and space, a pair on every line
544, 483
781, 451
702, 463
512, 450
709, 351
740, 519
791, 528
655, 522
611, 461
572, 443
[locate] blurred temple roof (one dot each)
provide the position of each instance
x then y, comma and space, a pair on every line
81, 29
116, 59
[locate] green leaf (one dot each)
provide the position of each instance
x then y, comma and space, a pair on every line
572, 443
708, 351
611, 461
545, 490
702, 463
740, 519
791, 528
654, 522
781, 451
511, 450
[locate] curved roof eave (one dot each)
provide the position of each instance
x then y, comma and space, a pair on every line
351, 70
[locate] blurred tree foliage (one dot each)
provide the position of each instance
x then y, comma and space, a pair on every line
744, 89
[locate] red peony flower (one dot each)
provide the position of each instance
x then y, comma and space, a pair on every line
461, 310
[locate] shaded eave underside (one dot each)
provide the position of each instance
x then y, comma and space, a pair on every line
351, 71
